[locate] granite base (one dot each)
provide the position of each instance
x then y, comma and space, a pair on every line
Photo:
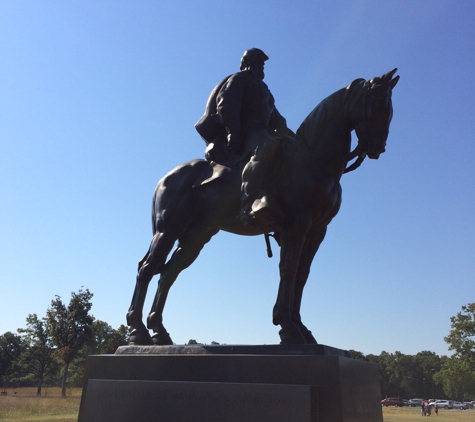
230, 383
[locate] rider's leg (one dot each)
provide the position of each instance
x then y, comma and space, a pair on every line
255, 174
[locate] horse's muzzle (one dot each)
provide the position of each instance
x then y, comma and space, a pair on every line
375, 155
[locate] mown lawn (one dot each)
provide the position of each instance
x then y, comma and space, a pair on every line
24, 406
413, 414
21, 404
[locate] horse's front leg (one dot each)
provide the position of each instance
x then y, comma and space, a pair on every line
293, 236
313, 241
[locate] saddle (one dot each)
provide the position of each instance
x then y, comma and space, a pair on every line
264, 211
215, 171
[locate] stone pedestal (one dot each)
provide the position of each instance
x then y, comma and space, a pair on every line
230, 384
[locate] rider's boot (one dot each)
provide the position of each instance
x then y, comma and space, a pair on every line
257, 205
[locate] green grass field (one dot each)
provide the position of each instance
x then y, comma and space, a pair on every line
24, 406
413, 414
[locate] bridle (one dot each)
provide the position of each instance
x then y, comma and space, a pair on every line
357, 152
360, 150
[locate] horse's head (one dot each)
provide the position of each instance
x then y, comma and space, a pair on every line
372, 124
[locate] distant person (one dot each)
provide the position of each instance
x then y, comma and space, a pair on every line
423, 408
436, 409
428, 409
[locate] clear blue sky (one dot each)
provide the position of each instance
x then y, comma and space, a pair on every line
98, 100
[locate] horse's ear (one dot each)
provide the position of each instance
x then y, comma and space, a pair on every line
387, 77
393, 82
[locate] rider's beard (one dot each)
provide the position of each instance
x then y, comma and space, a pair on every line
259, 72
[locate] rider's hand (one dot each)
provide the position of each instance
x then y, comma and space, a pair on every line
234, 142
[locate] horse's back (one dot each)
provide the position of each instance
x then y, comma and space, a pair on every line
184, 174
173, 197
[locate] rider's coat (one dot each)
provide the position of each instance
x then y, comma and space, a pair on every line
240, 105
245, 104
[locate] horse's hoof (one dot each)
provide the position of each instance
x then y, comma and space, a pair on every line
140, 337
291, 336
309, 337
162, 339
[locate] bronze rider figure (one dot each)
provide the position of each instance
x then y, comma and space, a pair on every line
241, 121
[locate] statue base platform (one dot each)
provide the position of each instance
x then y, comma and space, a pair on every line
229, 384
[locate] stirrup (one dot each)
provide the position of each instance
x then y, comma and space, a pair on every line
244, 216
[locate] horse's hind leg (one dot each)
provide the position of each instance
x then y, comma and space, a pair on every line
189, 247
160, 247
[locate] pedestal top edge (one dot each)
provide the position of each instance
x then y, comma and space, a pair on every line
214, 349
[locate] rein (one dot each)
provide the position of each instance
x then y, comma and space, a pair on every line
359, 151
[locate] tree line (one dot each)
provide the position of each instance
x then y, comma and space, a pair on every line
53, 350
427, 375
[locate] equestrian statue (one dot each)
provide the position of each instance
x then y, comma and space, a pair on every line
259, 177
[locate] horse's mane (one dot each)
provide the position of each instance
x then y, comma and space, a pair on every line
312, 128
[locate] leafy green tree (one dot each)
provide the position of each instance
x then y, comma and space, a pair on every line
429, 364
457, 374
461, 338
406, 375
358, 355
458, 378
70, 328
10, 351
105, 340
401, 370
37, 360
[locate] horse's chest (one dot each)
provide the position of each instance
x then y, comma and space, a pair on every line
321, 197
309, 189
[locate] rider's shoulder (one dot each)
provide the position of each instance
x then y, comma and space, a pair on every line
238, 81
243, 76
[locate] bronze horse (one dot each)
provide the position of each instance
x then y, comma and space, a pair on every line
306, 188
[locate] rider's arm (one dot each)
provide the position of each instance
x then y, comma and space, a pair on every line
278, 124
229, 101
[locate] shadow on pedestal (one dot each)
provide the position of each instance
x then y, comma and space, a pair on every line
229, 384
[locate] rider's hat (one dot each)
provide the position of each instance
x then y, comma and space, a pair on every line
252, 52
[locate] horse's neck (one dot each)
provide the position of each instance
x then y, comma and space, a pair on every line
327, 131
335, 146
